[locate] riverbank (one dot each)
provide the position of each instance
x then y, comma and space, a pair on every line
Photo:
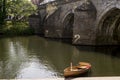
85, 78
16, 29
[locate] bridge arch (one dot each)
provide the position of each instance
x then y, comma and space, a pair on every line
109, 27
67, 24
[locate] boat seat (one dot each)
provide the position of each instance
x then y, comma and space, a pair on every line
82, 67
74, 69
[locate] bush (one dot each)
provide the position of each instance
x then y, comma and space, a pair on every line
19, 28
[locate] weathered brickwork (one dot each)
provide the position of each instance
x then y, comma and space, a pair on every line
86, 22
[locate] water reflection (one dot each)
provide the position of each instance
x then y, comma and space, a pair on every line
36, 57
36, 69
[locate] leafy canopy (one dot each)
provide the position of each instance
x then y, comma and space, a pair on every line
19, 10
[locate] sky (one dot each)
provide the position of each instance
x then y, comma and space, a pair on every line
45, 1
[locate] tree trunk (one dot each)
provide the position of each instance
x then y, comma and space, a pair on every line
2, 12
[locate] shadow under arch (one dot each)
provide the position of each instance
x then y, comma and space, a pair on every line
108, 28
67, 24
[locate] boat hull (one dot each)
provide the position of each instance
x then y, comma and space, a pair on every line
76, 70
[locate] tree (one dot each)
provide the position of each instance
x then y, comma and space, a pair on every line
19, 10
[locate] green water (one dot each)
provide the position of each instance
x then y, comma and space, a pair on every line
36, 57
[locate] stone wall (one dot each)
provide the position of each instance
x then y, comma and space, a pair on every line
84, 24
106, 21
35, 23
81, 20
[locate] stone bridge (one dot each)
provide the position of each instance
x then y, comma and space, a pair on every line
86, 22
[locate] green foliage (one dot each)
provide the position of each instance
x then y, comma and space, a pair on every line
19, 10
19, 28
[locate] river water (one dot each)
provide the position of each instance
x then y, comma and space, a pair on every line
36, 57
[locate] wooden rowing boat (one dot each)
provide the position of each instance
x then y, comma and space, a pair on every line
78, 70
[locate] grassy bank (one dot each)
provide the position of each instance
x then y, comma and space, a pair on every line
15, 29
